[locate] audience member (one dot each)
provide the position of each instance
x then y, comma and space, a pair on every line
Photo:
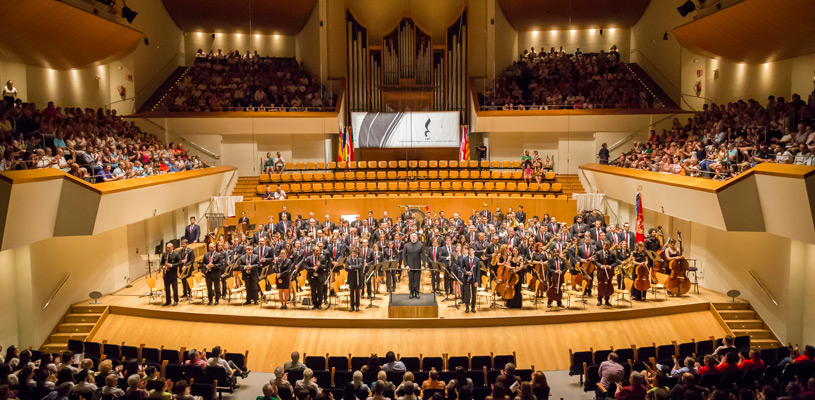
294, 364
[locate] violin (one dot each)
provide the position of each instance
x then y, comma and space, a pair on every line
678, 282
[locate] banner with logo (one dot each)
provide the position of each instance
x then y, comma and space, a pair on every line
405, 129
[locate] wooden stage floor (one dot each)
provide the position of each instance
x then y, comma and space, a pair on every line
541, 338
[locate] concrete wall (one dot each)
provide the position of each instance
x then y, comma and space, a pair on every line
103, 262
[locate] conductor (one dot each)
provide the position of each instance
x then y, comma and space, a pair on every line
415, 258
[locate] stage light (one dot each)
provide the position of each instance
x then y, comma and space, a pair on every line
146, 42
129, 14
686, 8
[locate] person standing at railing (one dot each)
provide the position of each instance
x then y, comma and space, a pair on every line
604, 154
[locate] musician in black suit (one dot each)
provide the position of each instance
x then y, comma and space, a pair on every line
415, 258
284, 265
284, 226
249, 265
328, 224
385, 218
626, 235
187, 261
406, 215
336, 249
436, 253
212, 265
586, 253
470, 275
485, 212
605, 261
270, 226
244, 221
265, 253
520, 215
367, 256
578, 228
317, 267
372, 221
192, 232
353, 264
596, 230
555, 263
170, 262
284, 212
450, 250
390, 253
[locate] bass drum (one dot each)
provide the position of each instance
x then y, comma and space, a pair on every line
418, 216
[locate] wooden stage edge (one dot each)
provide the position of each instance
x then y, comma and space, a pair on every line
546, 318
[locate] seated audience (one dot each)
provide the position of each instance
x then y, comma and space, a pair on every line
294, 364
557, 80
233, 82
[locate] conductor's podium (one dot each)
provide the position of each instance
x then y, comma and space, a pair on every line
402, 306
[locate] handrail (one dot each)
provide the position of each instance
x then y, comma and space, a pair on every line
200, 148
54, 294
620, 142
761, 284
644, 57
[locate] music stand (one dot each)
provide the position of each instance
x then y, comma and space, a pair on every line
373, 270
446, 271
331, 271
435, 265
389, 266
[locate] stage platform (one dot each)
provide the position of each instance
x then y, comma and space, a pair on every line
270, 334
400, 305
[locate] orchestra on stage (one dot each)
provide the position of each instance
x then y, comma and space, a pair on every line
504, 257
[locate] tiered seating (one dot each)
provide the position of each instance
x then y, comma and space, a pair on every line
390, 178
586, 364
205, 382
334, 372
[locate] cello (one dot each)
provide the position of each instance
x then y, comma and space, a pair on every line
505, 280
678, 283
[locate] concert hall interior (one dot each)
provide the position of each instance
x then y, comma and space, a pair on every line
405, 199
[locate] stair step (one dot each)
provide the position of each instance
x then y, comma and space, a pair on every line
64, 337
731, 306
728, 315
53, 347
88, 309
764, 343
82, 318
745, 324
75, 327
754, 333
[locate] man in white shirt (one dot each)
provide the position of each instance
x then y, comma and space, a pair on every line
279, 194
228, 366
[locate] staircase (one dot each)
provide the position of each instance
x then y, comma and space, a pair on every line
162, 90
649, 84
77, 324
743, 320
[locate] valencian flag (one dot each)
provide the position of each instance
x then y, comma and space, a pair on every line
639, 230
464, 144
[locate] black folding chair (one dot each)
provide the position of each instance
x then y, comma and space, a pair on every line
151, 355
204, 390
76, 346
578, 358
93, 349
500, 361
130, 352
411, 363
224, 382
112, 351
174, 373
170, 355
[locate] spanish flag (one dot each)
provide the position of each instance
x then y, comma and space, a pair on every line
639, 229
341, 155
464, 144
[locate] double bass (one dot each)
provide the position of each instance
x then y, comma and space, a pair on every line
643, 282
505, 280
555, 291
678, 283
605, 288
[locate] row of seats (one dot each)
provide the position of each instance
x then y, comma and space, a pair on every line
663, 354
145, 355
421, 363
398, 175
403, 164
349, 188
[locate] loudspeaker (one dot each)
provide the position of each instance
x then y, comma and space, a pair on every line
686, 8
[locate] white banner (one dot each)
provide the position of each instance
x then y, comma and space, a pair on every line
405, 129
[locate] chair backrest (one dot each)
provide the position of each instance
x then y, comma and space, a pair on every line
704, 347
665, 351
340, 363
93, 349
500, 361
217, 373
151, 354
174, 373
112, 351
238, 358
644, 353
294, 376
428, 393
76, 346
358, 362
625, 354
458, 361
429, 363
195, 372
479, 362
686, 349
411, 363
601, 355
578, 358
284, 393
171, 355
315, 362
